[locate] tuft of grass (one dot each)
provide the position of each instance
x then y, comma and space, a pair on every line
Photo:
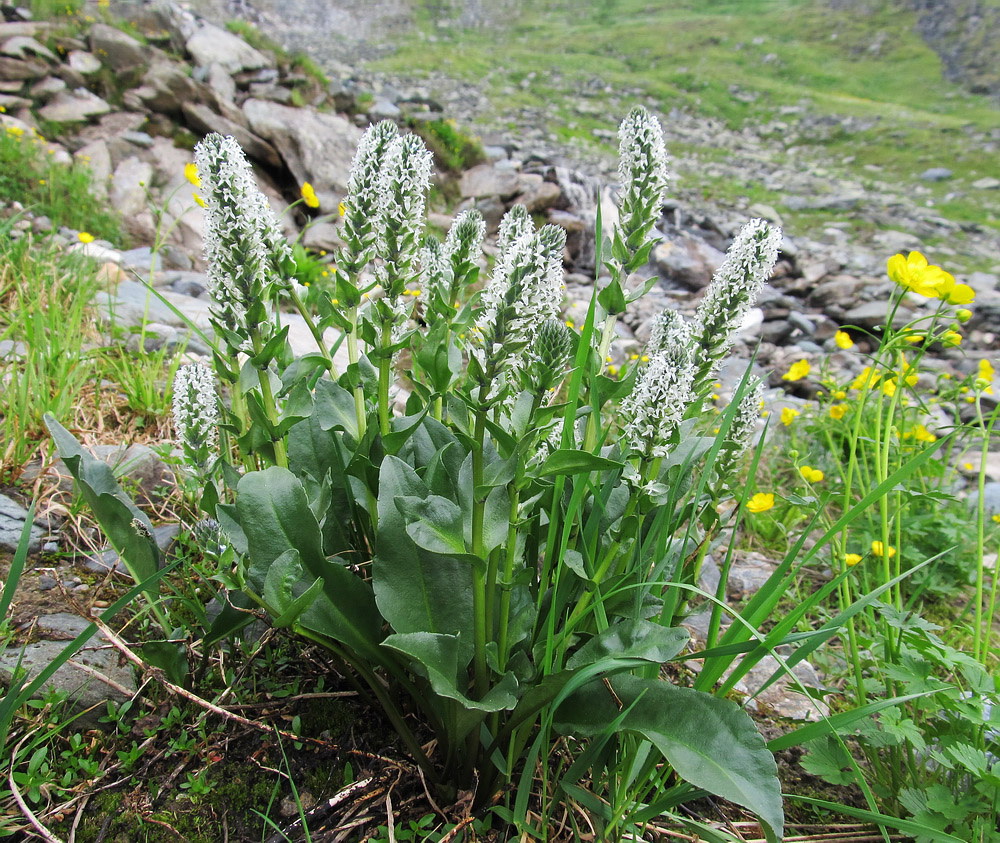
60, 192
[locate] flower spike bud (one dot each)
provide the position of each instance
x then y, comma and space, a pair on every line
514, 223
642, 171
742, 428
360, 204
657, 403
196, 408
734, 288
465, 238
243, 243
402, 195
433, 267
669, 330
549, 356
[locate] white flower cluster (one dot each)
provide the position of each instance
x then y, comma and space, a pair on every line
524, 291
433, 267
402, 193
657, 403
196, 407
243, 243
465, 237
361, 202
735, 286
743, 426
669, 330
642, 171
515, 223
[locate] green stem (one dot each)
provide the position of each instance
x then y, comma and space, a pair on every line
270, 406
314, 330
508, 572
384, 379
481, 622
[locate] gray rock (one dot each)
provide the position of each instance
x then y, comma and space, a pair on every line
118, 50
490, 180
128, 194
540, 197
983, 282
140, 259
896, 241
218, 79
783, 696
212, 45
47, 88
17, 70
840, 289
991, 499
165, 535
202, 119
82, 63
12, 520
153, 337
12, 350
73, 107
82, 678
273, 93
987, 183
166, 88
873, 315
322, 236
936, 174
25, 47
97, 157
316, 147
687, 260
383, 109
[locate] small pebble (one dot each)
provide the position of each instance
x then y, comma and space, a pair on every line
82, 588
50, 547
46, 583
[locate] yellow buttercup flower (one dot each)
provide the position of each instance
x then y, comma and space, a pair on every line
954, 293
915, 274
838, 411
879, 549
341, 208
85, 237
889, 387
797, 371
761, 502
963, 314
191, 174
852, 559
997, 518
811, 475
950, 339
922, 434
986, 370
309, 195
198, 200
788, 416
843, 340
867, 379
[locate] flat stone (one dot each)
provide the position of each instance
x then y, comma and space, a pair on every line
12, 520
783, 697
47, 88
210, 44
83, 62
166, 87
17, 69
873, 314
936, 174
82, 678
164, 535
383, 109
129, 185
73, 107
24, 47
322, 236
987, 183
489, 180
540, 197
687, 260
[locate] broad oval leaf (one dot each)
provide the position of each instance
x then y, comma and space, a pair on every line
710, 742
632, 639
571, 461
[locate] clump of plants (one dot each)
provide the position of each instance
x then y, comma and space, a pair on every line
495, 538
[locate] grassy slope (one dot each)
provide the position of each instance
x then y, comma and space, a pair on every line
688, 53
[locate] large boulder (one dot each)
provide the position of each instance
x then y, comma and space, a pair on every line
203, 120
166, 87
211, 44
316, 147
118, 50
688, 261
73, 107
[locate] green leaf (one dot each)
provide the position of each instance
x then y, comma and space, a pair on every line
570, 461
275, 515
632, 639
417, 590
433, 522
127, 527
828, 759
284, 590
710, 742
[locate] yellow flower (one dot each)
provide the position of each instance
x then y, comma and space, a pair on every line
811, 475
997, 518
889, 387
954, 293
986, 370
914, 338
843, 340
309, 195
760, 502
788, 416
922, 434
15, 131
838, 411
852, 559
85, 237
198, 200
968, 466
797, 371
879, 549
914, 273
191, 173
840, 395
963, 314
867, 379
342, 209
950, 339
